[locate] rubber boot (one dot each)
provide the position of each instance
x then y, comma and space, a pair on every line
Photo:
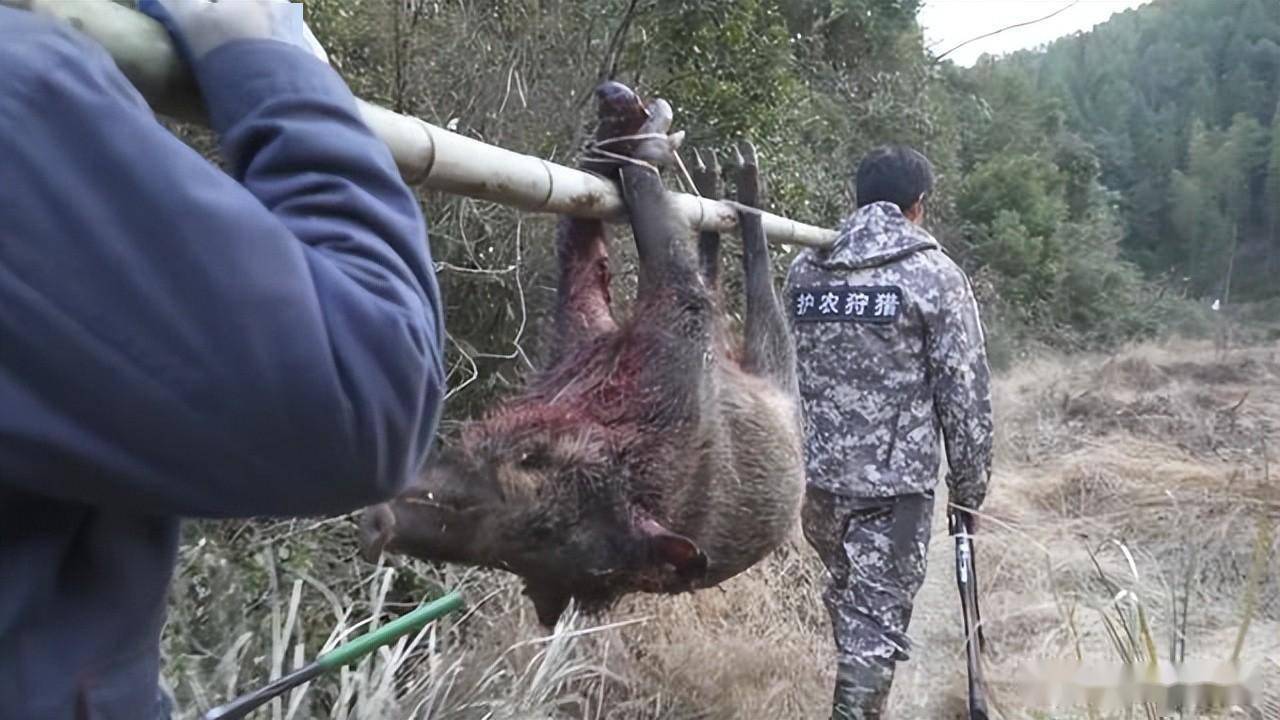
861, 691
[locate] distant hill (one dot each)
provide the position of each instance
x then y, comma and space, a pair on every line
1179, 100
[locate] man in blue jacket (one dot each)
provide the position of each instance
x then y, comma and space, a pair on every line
178, 342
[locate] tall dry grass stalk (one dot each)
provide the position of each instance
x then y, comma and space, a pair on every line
1130, 510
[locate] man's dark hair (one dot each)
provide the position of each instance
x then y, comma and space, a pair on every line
893, 173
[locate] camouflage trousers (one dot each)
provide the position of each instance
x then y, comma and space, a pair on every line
875, 551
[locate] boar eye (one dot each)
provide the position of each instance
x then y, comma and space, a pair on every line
535, 460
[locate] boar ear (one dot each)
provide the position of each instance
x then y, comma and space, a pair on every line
676, 550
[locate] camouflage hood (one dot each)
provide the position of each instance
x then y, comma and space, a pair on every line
874, 235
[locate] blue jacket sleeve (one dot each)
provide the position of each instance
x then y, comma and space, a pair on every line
179, 341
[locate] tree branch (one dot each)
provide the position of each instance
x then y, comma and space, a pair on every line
993, 33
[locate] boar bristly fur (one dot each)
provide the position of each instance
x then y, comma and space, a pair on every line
649, 456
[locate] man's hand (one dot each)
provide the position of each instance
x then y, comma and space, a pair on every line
967, 499
968, 519
200, 26
968, 492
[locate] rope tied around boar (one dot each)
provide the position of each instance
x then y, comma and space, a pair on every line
633, 462
594, 152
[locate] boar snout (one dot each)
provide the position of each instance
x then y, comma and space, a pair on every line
376, 527
445, 515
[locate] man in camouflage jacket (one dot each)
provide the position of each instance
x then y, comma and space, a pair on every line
891, 353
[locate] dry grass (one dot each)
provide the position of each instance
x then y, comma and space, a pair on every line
1128, 496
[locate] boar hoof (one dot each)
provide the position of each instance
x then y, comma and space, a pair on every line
621, 114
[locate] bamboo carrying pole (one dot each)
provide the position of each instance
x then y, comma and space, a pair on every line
425, 154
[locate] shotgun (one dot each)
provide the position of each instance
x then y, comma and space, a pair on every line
961, 527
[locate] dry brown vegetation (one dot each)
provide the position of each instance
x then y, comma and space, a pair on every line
1158, 462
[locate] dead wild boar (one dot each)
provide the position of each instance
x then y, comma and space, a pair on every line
650, 456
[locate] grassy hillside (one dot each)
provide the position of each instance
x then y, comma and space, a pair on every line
1159, 462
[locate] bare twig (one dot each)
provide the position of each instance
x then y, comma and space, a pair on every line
518, 350
1015, 26
607, 69
493, 273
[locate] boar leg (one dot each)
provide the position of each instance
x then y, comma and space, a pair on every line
661, 232
582, 247
768, 349
675, 310
629, 129
582, 307
710, 185
672, 300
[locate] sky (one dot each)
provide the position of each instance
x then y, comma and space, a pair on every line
948, 23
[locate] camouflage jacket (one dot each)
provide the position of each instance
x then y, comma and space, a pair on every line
891, 352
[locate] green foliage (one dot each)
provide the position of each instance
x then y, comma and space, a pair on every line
1080, 167
1024, 148
1025, 186
1199, 231
1097, 294
1172, 106
1272, 196
1024, 260
1179, 99
1213, 200
846, 34
724, 65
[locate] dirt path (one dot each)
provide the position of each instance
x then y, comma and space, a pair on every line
1159, 449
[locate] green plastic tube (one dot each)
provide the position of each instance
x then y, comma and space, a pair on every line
340, 656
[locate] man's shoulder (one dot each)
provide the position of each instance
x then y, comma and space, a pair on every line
933, 268
943, 263
20, 23
926, 273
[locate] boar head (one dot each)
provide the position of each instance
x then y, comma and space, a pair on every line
543, 495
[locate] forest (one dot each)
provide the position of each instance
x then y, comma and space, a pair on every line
1178, 104
1106, 190
1097, 191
